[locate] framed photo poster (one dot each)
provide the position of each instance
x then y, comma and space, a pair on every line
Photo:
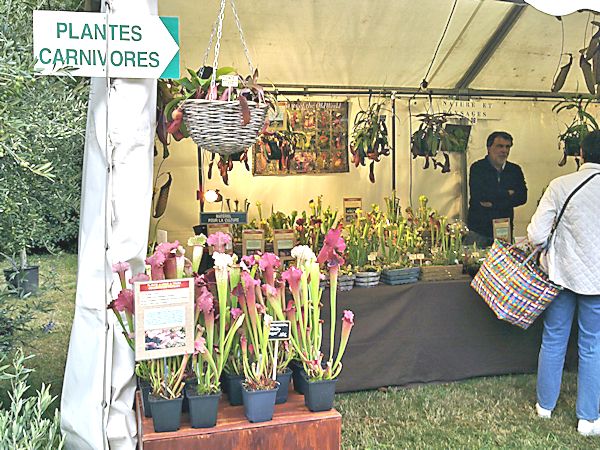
304, 137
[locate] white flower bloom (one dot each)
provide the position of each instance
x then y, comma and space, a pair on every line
303, 255
222, 260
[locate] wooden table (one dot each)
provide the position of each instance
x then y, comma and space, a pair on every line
293, 427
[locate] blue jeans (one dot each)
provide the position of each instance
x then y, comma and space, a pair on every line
557, 328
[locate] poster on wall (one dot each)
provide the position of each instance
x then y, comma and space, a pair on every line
304, 138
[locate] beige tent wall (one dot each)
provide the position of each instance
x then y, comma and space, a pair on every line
532, 123
383, 43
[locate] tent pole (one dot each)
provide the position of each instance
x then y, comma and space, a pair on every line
200, 183
393, 141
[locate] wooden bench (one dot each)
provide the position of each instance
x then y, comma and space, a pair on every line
293, 427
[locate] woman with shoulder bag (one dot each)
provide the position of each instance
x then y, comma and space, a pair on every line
572, 260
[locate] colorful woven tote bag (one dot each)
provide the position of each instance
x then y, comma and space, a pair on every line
513, 285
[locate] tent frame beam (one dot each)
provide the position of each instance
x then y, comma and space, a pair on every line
490, 46
461, 94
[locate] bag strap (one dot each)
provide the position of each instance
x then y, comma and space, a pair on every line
564, 207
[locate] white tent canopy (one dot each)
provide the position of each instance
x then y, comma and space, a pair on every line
502, 46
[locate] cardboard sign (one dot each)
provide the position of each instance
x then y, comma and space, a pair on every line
351, 204
253, 241
283, 243
235, 218
280, 330
502, 230
164, 318
225, 228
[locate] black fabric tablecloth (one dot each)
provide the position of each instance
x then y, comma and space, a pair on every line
427, 332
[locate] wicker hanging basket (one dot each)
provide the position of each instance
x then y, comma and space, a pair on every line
217, 125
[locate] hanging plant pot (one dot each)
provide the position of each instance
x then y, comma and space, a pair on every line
284, 384
367, 279
166, 414
425, 142
298, 376
319, 395
259, 405
203, 408
217, 125
26, 280
233, 387
572, 146
145, 389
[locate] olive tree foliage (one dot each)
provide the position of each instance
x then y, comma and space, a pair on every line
28, 422
42, 130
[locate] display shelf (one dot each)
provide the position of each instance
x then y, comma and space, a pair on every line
293, 427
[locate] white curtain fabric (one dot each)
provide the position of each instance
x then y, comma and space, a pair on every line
99, 386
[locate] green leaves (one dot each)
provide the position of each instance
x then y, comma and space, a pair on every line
42, 127
369, 137
24, 422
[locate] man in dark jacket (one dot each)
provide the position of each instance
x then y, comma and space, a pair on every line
496, 187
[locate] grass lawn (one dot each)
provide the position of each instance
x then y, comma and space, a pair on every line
493, 412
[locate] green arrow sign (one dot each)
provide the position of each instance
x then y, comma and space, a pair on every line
89, 44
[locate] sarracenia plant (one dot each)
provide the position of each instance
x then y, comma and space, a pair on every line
166, 375
210, 357
256, 355
124, 307
304, 312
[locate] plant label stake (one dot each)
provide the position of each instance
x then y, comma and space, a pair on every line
279, 331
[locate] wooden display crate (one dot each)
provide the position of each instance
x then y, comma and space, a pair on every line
442, 273
293, 427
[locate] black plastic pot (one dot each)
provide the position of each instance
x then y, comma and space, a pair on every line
319, 395
298, 376
145, 389
166, 414
203, 408
193, 382
233, 387
284, 384
259, 405
25, 280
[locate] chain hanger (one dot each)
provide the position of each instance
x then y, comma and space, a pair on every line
218, 27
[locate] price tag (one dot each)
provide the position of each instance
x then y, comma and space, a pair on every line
280, 330
372, 256
229, 80
412, 256
420, 256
